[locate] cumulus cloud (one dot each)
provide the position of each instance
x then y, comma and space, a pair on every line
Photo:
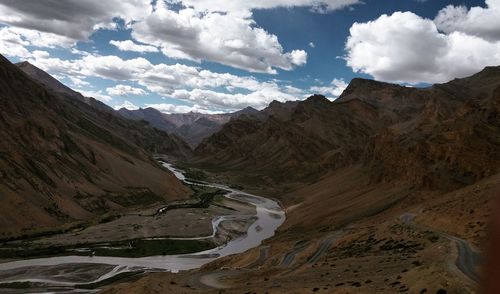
12, 44
478, 21
15, 40
125, 90
215, 30
244, 6
99, 95
70, 19
336, 87
78, 81
404, 47
226, 38
179, 81
129, 45
257, 99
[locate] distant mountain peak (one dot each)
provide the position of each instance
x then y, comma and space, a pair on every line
317, 98
360, 84
24, 63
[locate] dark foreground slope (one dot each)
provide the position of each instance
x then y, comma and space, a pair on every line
63, 160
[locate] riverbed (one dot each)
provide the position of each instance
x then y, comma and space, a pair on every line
72, 272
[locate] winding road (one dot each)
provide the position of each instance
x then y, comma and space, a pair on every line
212, 279
290, 256
325, 245
467, 258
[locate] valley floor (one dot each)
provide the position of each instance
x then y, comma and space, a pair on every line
413, 242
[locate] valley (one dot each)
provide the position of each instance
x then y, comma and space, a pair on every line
233, 223
387, 189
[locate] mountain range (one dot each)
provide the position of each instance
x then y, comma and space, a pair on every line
448, 133
192, 127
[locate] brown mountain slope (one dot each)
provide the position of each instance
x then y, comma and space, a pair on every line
397, 133
453, 141
59, 164
318, 135
136, 131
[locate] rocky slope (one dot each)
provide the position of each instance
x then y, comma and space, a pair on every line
63, 160
137, 131
437, 131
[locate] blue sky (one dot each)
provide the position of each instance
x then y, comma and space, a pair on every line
223, 55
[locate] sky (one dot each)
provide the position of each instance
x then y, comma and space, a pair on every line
223, 55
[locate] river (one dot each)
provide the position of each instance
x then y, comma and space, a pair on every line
66, 271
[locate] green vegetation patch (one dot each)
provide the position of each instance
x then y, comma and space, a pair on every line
204, 197
130, 248
143, 248
16, 285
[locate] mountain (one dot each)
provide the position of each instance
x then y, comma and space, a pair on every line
51, 83
192, 127
64, 161
154, 117
297, 142
138, 131
449, 133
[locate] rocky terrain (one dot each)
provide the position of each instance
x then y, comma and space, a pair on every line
384, 127
63, 160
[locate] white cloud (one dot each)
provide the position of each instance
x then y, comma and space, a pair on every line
173, 108
12, 44
478, 21
257, 99
180, 81
15, 40
244, 6
336, 87
129, 45
312, 45
78, 82
298, 57
405, 47
225, 38
124, 90
126, 104
213, 30
99, 95
70, 19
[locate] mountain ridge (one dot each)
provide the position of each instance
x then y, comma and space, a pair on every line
60, 166
192, 127
355, 128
